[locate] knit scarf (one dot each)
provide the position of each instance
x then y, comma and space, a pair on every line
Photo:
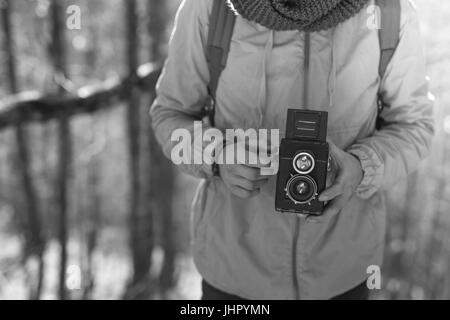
303, 15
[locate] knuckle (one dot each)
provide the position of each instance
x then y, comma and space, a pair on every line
246, 184
252, 174
241, 193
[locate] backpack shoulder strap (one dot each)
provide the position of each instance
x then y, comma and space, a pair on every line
221, 27
389, 34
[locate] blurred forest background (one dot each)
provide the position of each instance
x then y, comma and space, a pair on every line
89, 209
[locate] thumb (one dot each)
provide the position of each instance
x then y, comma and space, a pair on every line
335, 152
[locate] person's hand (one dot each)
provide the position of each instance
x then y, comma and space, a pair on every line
349, 175
243, 179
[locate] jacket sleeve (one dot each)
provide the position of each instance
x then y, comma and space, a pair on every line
182, 88
395, 151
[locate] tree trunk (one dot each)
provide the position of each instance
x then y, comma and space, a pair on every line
162, 170
64, 143
8, 45
34, 241
92, 218
141, 220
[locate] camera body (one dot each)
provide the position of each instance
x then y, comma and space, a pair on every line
304, 155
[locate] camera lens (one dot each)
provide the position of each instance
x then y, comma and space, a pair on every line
301, 189
304, 163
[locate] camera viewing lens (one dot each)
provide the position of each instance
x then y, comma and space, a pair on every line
304, 163
301, 189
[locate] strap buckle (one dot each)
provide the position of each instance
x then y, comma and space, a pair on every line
380, 122
209, 109
381, 105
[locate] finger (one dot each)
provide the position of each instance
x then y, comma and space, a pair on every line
254, 165
261, 182
336, 154
332, 192
248, 173
270, 171
242, 193
258, 161
336, 205
333, 148
249, 185
331, 179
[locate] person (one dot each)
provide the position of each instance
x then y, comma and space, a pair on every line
242, 248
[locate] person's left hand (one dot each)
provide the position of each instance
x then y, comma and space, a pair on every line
349, 175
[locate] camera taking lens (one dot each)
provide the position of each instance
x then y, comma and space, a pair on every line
301, 189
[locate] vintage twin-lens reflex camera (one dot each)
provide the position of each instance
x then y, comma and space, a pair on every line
304, 155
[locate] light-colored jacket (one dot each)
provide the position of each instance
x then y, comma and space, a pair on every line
244, 247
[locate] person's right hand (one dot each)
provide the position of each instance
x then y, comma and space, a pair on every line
243, 181
242, 178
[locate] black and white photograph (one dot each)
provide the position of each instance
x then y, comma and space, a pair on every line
224, 150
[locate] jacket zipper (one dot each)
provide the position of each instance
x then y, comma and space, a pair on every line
297, 222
